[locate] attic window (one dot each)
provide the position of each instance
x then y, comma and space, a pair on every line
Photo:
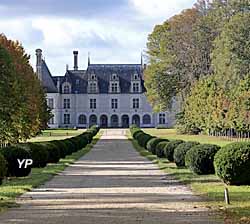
136, 76
77, 81
66, 89
114, 77
93, 76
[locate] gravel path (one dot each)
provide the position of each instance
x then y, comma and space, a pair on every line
112, 184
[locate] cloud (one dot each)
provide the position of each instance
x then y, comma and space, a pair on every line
114, 31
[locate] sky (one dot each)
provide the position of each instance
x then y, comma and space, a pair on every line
113, 31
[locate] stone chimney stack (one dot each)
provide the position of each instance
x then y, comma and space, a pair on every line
75, 60
39, 63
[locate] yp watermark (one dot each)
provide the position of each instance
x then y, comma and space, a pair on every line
24, 163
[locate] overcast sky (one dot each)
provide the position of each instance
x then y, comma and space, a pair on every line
113, 31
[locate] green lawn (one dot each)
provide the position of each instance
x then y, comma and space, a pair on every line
14, 187
171, 134
208, 186
56, 134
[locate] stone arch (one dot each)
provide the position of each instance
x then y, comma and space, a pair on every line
125, 121
146, 119
103, 121
92, 120
136, 120
82, 119
114, 121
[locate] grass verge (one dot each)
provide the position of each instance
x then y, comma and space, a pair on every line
14, 187
207, 186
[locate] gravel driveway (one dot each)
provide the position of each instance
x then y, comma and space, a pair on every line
111, 184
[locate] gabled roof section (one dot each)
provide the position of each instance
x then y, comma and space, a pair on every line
47, 79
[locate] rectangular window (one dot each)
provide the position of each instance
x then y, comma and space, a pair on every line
92, 88
92, 103
136, 87
50, 103
114, 103
66, 103
136, 104
114, 87
66, 118
162, 118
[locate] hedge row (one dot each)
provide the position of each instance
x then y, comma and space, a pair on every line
41, 153
231, 163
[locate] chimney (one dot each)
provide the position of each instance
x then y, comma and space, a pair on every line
39, 63
75, 60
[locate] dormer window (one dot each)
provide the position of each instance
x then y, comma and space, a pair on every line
93, 77
92, 87
114, 77
136, 76
66, 88
77, 81
114, 87
136, 87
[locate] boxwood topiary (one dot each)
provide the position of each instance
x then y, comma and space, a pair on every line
11, 155
151, 145
180, 152
53, 152
143, 139
3, 168
169, 149
200, 158
39, 153
61, 146
160, 149
232, 164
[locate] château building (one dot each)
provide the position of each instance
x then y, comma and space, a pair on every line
109, 95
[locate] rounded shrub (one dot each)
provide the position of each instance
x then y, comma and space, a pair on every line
3, 168
39, 154
200, 158
160, 149
151, 145
11, 155
61, 146
53, 152
69, 146
232, 164
137, 133
169, 149
143, 138
180, 152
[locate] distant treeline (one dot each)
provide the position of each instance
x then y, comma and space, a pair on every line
202, 58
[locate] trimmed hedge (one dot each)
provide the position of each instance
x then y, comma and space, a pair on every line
3, 168
143, 139
41, 153
160, 149
152, 143
169, 149
232, 163
180, 152
38, 152
200, 158
11, 155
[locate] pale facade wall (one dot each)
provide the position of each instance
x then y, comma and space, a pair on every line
80, 104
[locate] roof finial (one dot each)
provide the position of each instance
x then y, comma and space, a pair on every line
88, 58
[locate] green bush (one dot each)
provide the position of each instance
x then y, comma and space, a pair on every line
232, 164
69, 146
151, 145
61, 146
180, 152
169, 149
160, 149
200, 158
53, 152
3, 168
11, 155
143, 139
39, 154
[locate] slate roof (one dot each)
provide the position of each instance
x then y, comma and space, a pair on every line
103, 72
47, 80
